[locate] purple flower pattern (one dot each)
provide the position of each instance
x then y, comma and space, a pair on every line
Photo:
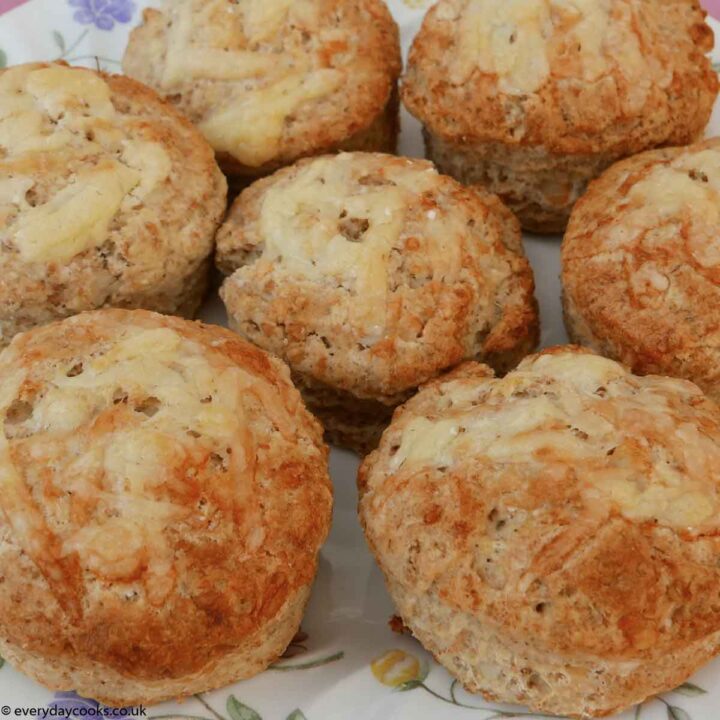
103, 13
74, 704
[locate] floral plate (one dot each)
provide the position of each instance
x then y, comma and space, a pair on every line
347, 663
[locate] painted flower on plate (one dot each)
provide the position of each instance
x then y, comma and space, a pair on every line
103, 13
397, 668
74, 704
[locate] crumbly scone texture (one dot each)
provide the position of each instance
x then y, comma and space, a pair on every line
552, 536
349, 421
164, 497
538, 186
271, 81
108, 197
615, 76
371, 273
641, 264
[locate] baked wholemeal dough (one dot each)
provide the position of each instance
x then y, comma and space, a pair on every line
163, 496
370, 274
108, 196
534, 98
641, 264
552, 536
270, 81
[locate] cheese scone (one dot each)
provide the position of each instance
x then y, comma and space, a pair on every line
164, 494
534, 98
271, 81
108, 197
370, 274
552, 537
641, 265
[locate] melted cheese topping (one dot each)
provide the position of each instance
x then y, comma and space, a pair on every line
135, 426
685, 191
243, 44
636, 445
77, 217
251, 128
524, 42
302, 222
69, 113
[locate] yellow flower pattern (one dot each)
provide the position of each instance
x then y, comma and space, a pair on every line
396, 667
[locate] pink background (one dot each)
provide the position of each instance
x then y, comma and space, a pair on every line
6, 5
712, 6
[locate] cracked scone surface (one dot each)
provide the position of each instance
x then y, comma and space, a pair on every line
535, 98
107, 197
164, 494
641, 264
552, 536
270, 81
371, 274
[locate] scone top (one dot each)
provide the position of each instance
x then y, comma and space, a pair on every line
584, 76
372, 273
268, 81
156, 476
571, 506
59, 124
108, 196
641, 264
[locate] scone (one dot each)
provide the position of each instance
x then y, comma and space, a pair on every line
534, 98
108, 197
641, 264
164, 495
552, 536
370, 274
271, 81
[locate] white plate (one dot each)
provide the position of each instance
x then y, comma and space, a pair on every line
351, 666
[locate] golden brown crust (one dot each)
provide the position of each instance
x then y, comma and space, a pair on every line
164, 496
552, 537
96, 680
380, 136
534, 99
345, 54
539, 187
370, 274
108, 196
653, 85
641, 270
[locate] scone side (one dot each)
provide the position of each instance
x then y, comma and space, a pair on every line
110, 687
538, 186
546, 681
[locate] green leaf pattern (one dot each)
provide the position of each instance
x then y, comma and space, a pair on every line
310, 663
59, 41
677, 713
237, 711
